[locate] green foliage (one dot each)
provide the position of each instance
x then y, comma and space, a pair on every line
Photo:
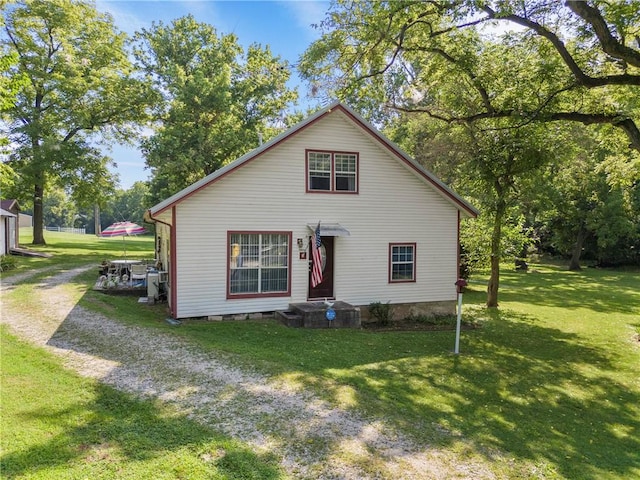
59, 210
449, 61
10, 84
7, 262
62, 210
494, 95
218, 100
80, 85
7, 180
475, 240
127, 205
579, 210
493, 167
382, 312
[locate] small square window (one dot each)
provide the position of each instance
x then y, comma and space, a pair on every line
402, 262
319, 164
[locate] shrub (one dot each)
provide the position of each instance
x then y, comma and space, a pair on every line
7, 262
381, 312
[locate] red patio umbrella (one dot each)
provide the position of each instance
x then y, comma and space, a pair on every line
123, 229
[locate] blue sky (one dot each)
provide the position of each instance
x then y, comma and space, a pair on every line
283, 25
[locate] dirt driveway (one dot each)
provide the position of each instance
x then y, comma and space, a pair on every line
312, 439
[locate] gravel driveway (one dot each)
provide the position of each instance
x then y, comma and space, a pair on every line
307, 434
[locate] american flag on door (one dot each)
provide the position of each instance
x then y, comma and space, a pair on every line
316, 255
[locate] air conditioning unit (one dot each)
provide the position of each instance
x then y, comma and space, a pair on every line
153, 285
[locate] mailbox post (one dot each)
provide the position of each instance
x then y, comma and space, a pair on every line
460, 284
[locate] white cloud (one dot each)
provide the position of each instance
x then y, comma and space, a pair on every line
308, 13
123, 19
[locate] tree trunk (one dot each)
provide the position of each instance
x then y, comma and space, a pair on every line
96, 220
38, 214
494, 280
574, 264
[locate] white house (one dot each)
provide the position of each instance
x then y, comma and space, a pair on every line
238, 241
9, 210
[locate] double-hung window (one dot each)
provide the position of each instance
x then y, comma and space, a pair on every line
259, 264
332, 172
402, 262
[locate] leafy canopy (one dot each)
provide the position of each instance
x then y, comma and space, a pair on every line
217, 100
577, 61
81, 87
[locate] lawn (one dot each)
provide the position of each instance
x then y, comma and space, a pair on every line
546, 388
80, 429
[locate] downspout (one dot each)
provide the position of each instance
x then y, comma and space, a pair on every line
171, 273
458, 247
155, 220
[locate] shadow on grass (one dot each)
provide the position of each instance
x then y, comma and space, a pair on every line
522, 391
115, 436
600, 290
534, 393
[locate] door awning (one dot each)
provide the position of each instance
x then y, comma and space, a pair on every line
330, 229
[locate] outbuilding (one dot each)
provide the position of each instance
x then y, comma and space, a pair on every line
9, 232
241, 240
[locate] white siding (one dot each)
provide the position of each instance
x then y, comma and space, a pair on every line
4, 248
268, 194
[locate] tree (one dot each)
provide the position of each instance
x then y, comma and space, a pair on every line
437, 58
9, 84
121, 205
580, 209
218, 100
128, 204
398, 54
80, 84
59, 210
490, 167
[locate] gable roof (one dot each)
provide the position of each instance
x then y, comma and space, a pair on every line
429, 178
10, 205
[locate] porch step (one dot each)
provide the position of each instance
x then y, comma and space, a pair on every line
313, 315
290, 319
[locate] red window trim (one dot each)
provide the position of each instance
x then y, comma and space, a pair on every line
415, 261
333, 190
230, 295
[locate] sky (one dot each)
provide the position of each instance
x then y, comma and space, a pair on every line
286, 26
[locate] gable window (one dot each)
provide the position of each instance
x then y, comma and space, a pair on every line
319, 165
402, 262
259, 264
332, 172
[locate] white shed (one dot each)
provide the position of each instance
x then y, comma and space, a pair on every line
9, 210
240, 240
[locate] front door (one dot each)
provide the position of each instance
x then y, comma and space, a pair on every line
325, 288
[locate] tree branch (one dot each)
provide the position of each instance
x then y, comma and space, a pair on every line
581, 77
609, 43
624, 123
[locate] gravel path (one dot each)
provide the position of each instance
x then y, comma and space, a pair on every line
313, 439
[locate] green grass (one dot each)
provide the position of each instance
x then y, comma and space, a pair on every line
547, 388
56, 425
68, 249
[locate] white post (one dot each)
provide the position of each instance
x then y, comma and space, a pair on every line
459, 320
